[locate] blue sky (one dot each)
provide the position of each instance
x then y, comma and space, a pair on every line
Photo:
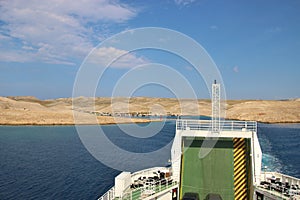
255, 44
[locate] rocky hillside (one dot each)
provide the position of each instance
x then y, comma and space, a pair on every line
32, 111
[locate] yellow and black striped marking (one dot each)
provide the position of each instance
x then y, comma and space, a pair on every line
240, 169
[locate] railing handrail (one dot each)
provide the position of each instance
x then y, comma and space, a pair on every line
111, 190
225, 125
148, 170
280, 174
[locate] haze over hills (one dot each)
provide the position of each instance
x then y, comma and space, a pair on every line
32, 111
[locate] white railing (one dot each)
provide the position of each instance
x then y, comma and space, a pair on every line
150, 191
282, 177
148, 172
279, 185
109, 195
225, 125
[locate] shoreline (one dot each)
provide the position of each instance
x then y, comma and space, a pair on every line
114, 123
73, 124
30, 111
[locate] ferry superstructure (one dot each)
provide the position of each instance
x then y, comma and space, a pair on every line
210, 160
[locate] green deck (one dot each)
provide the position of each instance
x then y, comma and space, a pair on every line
211, 174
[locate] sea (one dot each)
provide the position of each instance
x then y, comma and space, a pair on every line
51, 162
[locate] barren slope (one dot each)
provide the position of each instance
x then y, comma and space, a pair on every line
32, 111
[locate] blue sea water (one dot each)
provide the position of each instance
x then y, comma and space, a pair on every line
50, 162
280, 144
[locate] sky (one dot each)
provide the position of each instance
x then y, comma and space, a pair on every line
255, 44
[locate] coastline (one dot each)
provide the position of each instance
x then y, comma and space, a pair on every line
127, 122
121, 121
74, 124
269, 122
30, 111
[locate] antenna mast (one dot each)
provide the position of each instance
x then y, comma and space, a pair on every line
215, 107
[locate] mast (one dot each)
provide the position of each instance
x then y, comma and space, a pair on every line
215, 115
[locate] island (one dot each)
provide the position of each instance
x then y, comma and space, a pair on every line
27, 110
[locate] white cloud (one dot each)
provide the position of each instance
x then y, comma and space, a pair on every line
27, 47
56, 31
119, 58
13, 56
4, 37
214, 27
236, 69
184, 2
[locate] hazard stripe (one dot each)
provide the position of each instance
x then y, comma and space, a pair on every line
239, 167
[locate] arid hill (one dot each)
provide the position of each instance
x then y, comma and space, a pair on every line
32, 111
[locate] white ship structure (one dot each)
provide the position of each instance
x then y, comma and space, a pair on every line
210, 160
